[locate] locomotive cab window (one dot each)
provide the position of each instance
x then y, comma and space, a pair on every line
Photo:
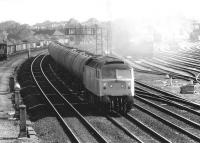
121, 74
116, 73
108, 72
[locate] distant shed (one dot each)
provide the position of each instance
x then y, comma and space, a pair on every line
187, 89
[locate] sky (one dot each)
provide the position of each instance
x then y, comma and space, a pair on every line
34, 11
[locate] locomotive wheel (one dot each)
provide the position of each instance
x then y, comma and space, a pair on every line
109, 107
106, 104
128, 107
91, 99
105, 108
115, 104
111, 104
120, 105
123, 106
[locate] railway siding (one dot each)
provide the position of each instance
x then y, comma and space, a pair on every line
9, 127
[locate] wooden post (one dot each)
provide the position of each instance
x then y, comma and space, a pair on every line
29, 52
23, 131
11, 84
170, 79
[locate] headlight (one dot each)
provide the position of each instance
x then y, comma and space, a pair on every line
111, 86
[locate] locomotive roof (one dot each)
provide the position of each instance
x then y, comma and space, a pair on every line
99, 61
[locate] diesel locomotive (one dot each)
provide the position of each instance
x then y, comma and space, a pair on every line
108, 81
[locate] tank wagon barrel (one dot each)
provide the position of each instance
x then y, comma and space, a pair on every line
108, 81
71, 60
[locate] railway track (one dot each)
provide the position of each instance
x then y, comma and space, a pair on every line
156, 67
91, 117
185, 61
180, 114
48, 93
139, 125
163, 93
69, 121
134, 131
128, 122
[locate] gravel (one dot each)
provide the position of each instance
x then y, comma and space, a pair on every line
48, 129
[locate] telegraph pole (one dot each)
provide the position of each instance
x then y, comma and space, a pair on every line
95, 31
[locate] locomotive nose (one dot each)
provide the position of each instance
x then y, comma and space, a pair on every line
118, 85
116, 88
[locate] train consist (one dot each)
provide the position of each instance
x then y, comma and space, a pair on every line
7, 50
108, 81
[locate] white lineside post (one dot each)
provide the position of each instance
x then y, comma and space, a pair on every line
170, 81
23, 129
17, 97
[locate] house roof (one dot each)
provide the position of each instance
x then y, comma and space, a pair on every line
58, 33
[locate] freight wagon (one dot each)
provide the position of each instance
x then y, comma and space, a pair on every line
7, 50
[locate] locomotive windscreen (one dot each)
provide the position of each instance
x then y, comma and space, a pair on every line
116, 73
123, 74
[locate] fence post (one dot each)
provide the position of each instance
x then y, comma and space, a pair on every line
23, 129
11, 84
29, 52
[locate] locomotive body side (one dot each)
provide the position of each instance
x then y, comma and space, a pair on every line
91, 81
